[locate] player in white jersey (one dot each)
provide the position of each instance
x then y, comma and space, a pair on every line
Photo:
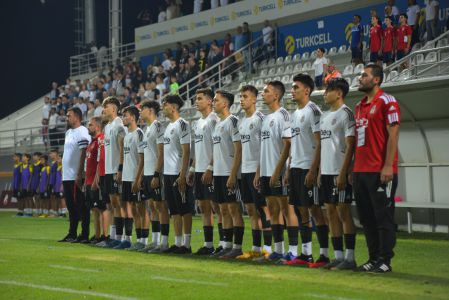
304, 164
337, 149
153, 151
256, 206
114, 132
200, 174
275, 148
227, 156
131, 180
176, 162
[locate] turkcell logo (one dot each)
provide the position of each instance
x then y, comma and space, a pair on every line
289, 44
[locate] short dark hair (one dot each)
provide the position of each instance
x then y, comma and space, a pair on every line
77, 111
404, 15
227, 95
45, 156
18, 155
377, 18
306, 80
111, 100
133, 111
279, 86
174, 99
206, 91
249, 88
54, 150
359, 17
37, 154
151, 105
338, 84
27, 155
322, 49
377, 71
389, 18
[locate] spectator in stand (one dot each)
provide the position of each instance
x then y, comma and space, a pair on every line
356, 40
202, 61
404, 37
174, 86
212, 53
332, 72
172, 10
320, 66
214, 3
197, 6
389, 41
52, 128
413, 17
61, 126
375, 40
393, 11
84, 93
46, 108
118, 84
65, 102
162, 16
151, 92
166, 64
247, 38
98, 107
184, 55
144, 17
432, 13
268, 40
54, 93
160, 85
228, 45
90, 110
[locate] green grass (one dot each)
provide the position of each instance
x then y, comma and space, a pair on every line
30, 254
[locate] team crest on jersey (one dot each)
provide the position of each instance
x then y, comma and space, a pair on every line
373, 110
271, 123
303, 118
334, 121
251, 126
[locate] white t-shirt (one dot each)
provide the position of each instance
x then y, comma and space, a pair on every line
266, 35
275, 128
166, 64
430, 9
154, 136
318, 65
84, 94
161, 87
161, 17
132, 147
202, 130
305, 122
176, 134
412, 11
46, 111
98, 111
335, 127
250, 136
75, 141
197, 6
112, 132
225, 134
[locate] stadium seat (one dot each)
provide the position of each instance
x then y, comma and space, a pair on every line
289, 69
305, 56
359, 69
393, 76
259, 84
342, 49
297, 57
287, 59
272, 62
355, 81
442, 43
263, 73
419, 59
251, 82
431, 57
307, 66
271, 72
349, 70
227, 79
332, 51
416, 47
277, 78
313, 54
405, 74
242, 84
256, 65
280, 70
298, 68
348, 80
279, 61
263, 64
285, 79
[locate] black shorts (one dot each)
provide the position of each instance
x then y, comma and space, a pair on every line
329, 192
222, 194
149, 193
44, 195
267, 191
127, 194
58, 195
249, 192
177, 204
93, 199
356, 52
203, 191
104, 194
374, 57
24, 194
387, 57
300, 195
112, 187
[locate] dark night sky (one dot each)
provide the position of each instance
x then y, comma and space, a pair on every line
37, 40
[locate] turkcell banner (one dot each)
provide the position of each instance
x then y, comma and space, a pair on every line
335, 30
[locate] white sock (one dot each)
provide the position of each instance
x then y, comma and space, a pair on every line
279, 247
144, 241
128, 238
349, 255
118, 237
307, 248
155, 237
186, 240
222, 244
338, 254
208, 244
257, 249
267, 248
324, 251
46, 211
293, 249
164, 240
178, 240
112, 233
64, 210
227, 245
235, 246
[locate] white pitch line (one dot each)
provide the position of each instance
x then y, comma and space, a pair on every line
329, 297
188, 281
64, 290
73, 268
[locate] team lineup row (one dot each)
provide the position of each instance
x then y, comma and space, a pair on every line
283, 167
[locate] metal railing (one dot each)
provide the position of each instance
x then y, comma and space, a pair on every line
101, 59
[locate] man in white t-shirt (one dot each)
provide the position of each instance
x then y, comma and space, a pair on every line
304, 165
432, 13
320, 67
77, 139
227, 156
337, 148
200, 174
412, 19
176, 162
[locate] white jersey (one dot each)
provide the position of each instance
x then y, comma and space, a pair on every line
335, 127
112, 132
250, 136
154, 136
132, 148
75, 141
202, 132
275, 128
305, 122
176, 134
225, 134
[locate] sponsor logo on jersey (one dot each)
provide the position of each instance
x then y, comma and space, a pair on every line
271, 123
216, 139
265, 134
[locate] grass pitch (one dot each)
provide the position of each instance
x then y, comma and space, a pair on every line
34, 266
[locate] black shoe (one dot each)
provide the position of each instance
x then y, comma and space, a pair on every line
205, 251
68, 239
218, 249
367, 267
172, 249
381, 267
81, 239
183, 250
